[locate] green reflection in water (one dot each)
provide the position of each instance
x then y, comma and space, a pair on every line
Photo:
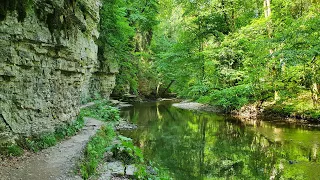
197, 145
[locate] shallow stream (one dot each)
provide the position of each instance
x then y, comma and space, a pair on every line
200, 145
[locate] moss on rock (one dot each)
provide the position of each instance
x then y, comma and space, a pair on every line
21, 6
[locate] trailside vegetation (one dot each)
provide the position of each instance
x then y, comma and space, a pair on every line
103, 141
94, 151
101, 110
39, 142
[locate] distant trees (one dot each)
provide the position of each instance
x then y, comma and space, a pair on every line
126, 30
212, 47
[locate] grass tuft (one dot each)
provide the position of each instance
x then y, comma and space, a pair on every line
11, 150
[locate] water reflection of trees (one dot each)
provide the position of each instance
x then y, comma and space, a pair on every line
203, 146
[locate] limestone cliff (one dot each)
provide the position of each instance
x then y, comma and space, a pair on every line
48, 63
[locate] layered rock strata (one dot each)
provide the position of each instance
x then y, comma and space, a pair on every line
48, 64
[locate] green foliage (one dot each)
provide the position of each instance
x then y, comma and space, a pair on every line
95, 150
115, 31
198, 90
233, 97
127, 152
212, 48
37, 143
299, 106
8, 150
101, 110
125, 33
204, 99
130, 154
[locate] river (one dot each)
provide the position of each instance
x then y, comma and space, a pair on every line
200, 145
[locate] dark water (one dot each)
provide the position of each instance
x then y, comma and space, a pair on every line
198, 145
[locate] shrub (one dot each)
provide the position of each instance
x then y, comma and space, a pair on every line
102, 111
232, 98
43, 141
94, 151
11, 150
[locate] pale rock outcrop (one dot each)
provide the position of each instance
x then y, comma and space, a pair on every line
48, 64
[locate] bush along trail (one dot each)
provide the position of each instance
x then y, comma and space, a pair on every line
108, 155
56, 162
78, 151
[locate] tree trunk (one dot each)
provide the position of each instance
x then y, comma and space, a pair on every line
267, 8
233, 19
165, 91
314, 86
225, 13
158, 88
267, 13
315, 91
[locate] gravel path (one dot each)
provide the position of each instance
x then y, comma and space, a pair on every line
54, 163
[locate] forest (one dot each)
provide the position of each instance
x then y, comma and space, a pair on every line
226, 53
159, 89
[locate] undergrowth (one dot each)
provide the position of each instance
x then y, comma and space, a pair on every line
43, 141
102, 111
37, 143
126, 152
230, 98
300, 106
95, 150
97, 145
10, 150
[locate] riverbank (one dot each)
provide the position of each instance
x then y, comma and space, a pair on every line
88, 154
227, 142
282, 110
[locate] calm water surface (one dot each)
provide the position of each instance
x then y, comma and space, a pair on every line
199, 145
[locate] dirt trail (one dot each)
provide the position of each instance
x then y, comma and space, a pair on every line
54, 163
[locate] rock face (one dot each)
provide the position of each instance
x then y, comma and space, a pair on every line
48, 64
